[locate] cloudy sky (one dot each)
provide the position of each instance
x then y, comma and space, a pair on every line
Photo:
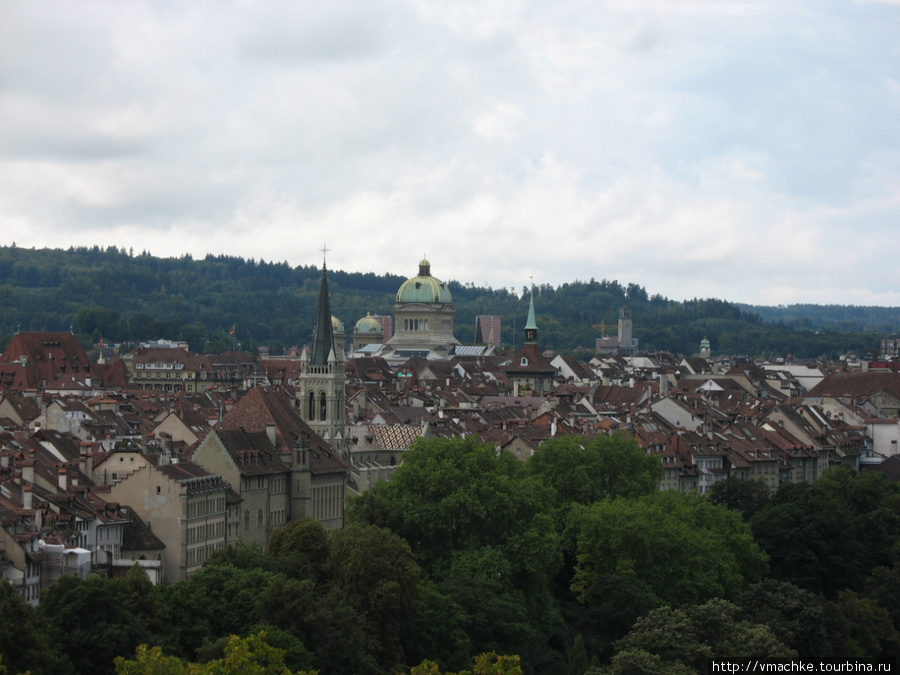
747, 150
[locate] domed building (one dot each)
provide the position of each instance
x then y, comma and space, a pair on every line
423, 319
368, 331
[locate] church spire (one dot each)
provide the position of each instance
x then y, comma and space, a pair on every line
531, 324
323, 337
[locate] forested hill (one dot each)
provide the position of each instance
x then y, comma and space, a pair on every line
125, 297
847, 318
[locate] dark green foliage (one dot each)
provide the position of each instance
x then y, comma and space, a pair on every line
456, 494
216, 601
795, 615
438, 631
585, 471
24, 640
244, 557
320, 618
744, 496
678, 547
91, 623
111, 294
859, 628
683, 640
377, 575
607, 610
482, 528
883, 586
301, 548
831, 535
461, 553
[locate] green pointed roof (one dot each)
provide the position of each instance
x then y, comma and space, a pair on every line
531, 324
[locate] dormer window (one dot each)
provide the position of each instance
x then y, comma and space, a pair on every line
524, 361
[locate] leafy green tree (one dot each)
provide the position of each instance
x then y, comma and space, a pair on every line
437, 632
295, 654
744, 496
883, 586
244, 557
485, 664
376, 573
91, 612
322, 620
213, 602
679, 547
24, 642
455, 494
585, 471
252, 655
858, 628
607, 610
794, 615
684, 639
830, 535
495, 613
301, 547
483, 530
143, 599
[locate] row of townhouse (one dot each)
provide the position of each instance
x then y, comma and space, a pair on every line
199, 470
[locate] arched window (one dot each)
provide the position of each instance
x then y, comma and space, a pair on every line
311, 412
259, 517
246, 519
322, 406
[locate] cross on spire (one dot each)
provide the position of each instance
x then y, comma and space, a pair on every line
324, 250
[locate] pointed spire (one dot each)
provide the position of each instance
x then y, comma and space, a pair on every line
323, 338
531, 324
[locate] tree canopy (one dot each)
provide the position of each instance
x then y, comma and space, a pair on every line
126, 297
679, 547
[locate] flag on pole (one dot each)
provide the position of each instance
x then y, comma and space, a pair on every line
231, 332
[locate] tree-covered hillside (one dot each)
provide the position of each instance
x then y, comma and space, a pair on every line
845, 318
121, 296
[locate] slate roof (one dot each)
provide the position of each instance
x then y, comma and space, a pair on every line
137, 536
856, 383
262, 406
195, 477
251, 451
48, 356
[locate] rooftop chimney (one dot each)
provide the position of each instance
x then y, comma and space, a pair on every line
28, 471
62, 479
26, 497
270, 432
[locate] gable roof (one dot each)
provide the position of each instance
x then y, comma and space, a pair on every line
251, 451
262, 406
855, 383
33, 358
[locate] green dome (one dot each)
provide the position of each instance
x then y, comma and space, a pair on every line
337, 325
368, 325
424, 287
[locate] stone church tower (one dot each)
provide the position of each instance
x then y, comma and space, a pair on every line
323, 379
627, 343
